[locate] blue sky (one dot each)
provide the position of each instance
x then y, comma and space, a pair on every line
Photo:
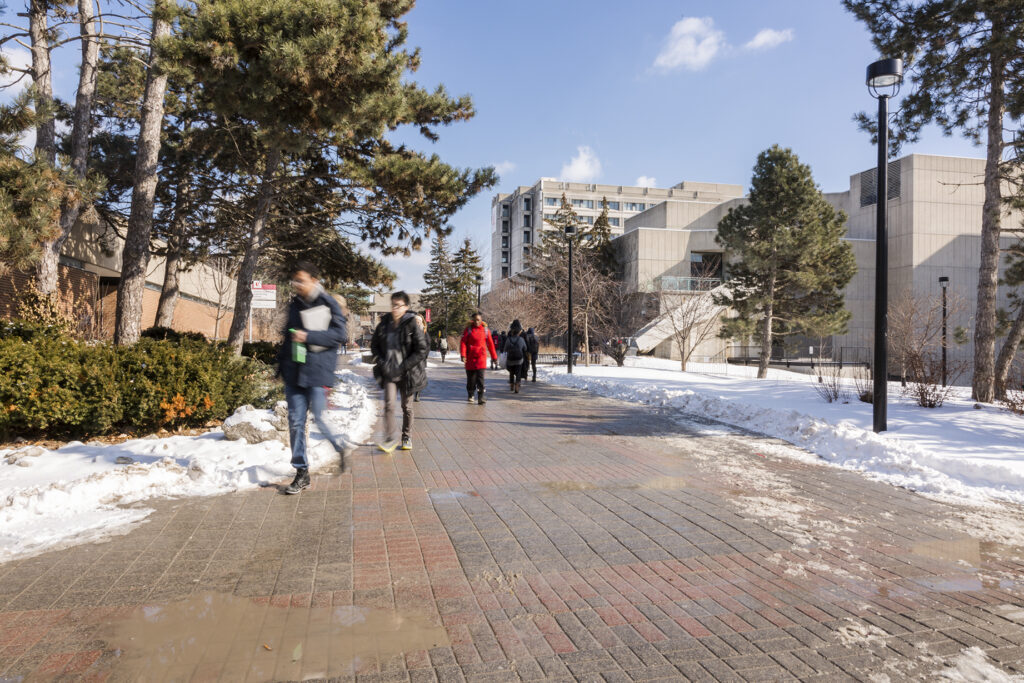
666, 90
616, 92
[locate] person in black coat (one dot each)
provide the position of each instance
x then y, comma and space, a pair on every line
533, 348
400, 349
515, 355
497, 347
307, 379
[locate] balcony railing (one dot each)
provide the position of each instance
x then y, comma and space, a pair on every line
668, 283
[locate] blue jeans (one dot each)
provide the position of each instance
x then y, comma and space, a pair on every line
300, 401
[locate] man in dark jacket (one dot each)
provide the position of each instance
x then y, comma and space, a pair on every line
400, 348
307, 360
533, 348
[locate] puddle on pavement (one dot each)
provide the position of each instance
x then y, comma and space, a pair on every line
251, 635
568, 486
450, 494
966, 550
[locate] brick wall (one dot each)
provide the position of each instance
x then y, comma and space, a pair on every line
78, 290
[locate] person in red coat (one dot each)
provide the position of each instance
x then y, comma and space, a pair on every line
474, 348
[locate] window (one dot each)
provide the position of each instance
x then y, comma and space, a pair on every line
504, 226
589, 220
706, 265
526, 236
504, 257
527, 220
504, 210
583, 203
614, 206
504, 242
613, 221
504, 271
634, 206
552, 201
549, 217
526, 251
527, 204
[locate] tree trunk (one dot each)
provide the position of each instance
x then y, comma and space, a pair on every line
135, 256
172, 276
983, 383
253, 251
586, 340
1007, 353
766, 332
46, 127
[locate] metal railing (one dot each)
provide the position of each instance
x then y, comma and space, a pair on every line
559, 358
842, 356
670, 283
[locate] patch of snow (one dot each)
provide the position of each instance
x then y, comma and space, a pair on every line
855, 632
78, 493
973, 665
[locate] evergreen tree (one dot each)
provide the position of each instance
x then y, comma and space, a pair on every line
966, 63
440, 283
466, 269
601, 242
789, 264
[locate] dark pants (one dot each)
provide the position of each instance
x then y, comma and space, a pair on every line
513, 373
392, 392
474, 381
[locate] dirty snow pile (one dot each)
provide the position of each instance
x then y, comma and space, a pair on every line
957, 450
82, 492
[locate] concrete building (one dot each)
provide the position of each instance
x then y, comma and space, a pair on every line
517, 218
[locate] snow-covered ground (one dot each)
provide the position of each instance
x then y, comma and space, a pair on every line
956, 450
83, 492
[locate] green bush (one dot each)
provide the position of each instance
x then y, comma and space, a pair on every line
168, 334
59, 387
263, 351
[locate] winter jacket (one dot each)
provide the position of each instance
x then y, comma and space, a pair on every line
532, 343
443, 345
475, 345
515, 349
318, 370
411, 371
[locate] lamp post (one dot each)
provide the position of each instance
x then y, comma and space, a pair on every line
479, 283
570, 232
883, 81
944, 283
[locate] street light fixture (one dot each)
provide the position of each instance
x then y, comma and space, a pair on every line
479, 283
883, 80
570, 232
944, 283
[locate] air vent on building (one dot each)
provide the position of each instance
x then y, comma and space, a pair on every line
869, 184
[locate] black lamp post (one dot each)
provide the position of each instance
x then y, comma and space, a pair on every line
479, 283
570, 232
944, 283
883, 81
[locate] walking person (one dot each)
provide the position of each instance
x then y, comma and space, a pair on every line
442, 346
496, 339
423, 328
474, 347
533, 348
400, 348
515, 355
315, 328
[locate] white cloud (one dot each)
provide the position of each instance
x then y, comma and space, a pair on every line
17, 59
583, 168
692, 44
646, 181
503, 167
768, 38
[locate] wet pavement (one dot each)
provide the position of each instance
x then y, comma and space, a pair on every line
549, 535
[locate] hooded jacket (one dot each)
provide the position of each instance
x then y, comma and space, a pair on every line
475, 345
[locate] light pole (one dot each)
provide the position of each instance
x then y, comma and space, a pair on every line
479, 283
883, 81
570, 232
944, 283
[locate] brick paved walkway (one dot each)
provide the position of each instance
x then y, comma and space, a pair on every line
549, 536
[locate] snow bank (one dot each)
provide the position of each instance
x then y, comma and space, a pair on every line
954, 450
78, 492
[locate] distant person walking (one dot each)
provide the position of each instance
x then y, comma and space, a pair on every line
533, 348
515, 355
474, 347
442, 346
315, 328
400, 348
496, 338
423, 328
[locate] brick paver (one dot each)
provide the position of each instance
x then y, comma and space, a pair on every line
551, 535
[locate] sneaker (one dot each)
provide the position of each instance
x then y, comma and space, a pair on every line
301, 481
387, 446
470, 399
480, 398
406, 443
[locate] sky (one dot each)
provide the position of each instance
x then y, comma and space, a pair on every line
652, 92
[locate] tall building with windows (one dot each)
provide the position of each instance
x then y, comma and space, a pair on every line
517, 218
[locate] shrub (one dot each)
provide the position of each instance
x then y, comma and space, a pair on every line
263, 351
57, 386
168, 334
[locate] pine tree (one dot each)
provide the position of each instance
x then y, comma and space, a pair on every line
466, 270
601, 241
440, 286
788, 263
965, 62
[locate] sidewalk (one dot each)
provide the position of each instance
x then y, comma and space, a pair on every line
551, 535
